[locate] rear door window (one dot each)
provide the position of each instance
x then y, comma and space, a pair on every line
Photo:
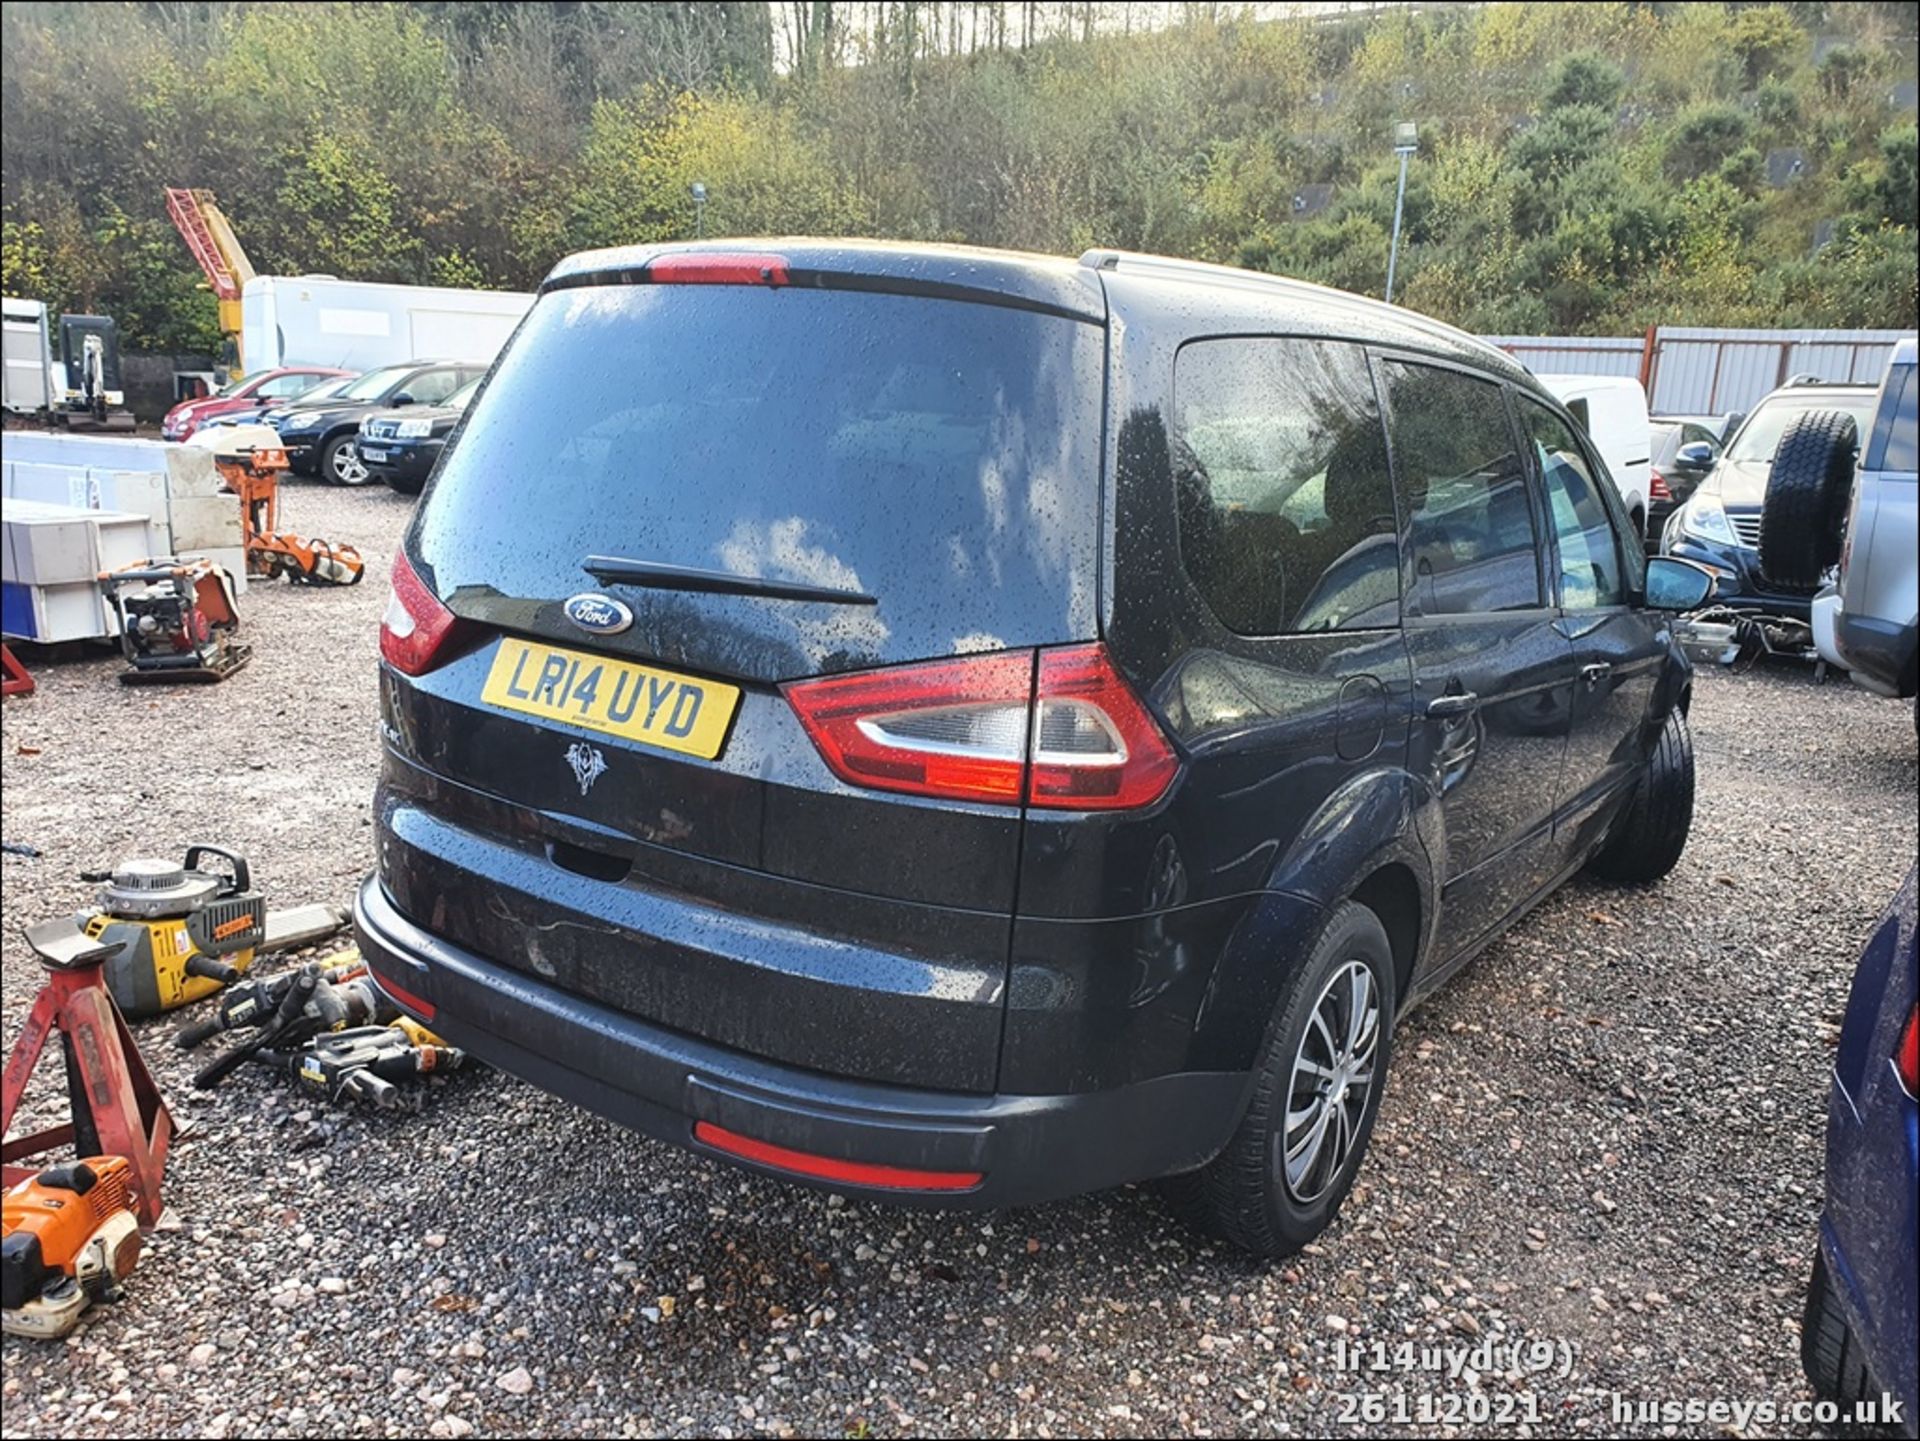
1462, 482
1590, 566
939, 455
1286, 509
433, 386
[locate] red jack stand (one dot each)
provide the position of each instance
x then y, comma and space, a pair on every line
17, 681
116, 1108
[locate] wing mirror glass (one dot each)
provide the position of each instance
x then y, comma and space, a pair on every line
1674, 584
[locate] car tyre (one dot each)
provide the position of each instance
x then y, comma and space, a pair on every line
1835, 1366
340, 463
1256, 1194
1806, 505
404, 485
1652, 832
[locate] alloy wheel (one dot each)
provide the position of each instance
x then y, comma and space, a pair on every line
1331, 1081
348, 468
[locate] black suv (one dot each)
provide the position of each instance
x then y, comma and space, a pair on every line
319, 435
401, 446
974, 728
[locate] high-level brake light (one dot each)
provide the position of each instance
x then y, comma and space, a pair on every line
713, 267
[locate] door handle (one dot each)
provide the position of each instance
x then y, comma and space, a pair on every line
1595, 673
1442, 707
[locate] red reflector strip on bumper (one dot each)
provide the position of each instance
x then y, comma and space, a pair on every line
854, 1173
406, 998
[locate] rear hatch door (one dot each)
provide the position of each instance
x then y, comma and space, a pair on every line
687, 495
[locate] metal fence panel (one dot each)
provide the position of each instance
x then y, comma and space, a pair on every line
1692, 370
1572, 354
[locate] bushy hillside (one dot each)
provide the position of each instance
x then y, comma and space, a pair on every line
1582, 167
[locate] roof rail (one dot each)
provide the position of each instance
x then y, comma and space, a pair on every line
1099, 259
1202, 272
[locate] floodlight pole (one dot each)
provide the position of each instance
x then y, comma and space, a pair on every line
1405, 143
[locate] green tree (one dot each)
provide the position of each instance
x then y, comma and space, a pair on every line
1703, 137
1584, 79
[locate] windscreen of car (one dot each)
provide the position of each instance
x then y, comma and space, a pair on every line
238, 383
1760, 436
458, 400
326, 389
939, 455
375, 383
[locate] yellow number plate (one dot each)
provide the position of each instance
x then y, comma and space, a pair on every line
655, 707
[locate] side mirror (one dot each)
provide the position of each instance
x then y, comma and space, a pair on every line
1674, 584
1697, 455
403, 398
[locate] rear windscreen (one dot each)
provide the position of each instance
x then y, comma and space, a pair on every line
942, 456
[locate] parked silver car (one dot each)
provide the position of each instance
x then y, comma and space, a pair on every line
1838, 498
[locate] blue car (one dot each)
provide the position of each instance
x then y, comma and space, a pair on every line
1857, 1341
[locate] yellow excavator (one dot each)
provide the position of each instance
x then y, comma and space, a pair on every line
210, 237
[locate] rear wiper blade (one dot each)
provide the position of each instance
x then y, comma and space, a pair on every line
656, 575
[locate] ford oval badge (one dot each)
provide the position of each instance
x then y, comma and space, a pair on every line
601, 614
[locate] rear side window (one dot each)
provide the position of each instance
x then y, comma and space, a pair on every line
1285, 502
1898, 451
434, 386
1470, 524
1590, 574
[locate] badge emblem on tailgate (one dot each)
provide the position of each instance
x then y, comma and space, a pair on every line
598, 614
587, 763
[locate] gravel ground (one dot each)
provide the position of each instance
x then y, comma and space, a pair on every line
1606, 1133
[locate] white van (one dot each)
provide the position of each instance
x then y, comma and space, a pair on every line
318, 320
1613, 408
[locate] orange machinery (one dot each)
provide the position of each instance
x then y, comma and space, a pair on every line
254, 476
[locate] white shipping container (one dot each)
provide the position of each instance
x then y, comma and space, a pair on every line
317, 320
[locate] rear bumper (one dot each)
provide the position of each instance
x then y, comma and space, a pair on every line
1026, 1149
1879, 653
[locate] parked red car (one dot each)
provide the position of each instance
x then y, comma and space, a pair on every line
263, 387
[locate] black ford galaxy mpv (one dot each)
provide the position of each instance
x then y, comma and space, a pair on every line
974, 728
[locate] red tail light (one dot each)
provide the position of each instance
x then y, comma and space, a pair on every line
1066, 733
417, 628
1095, 747
1657, 488
1907, 1059
953, 728
718, 268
